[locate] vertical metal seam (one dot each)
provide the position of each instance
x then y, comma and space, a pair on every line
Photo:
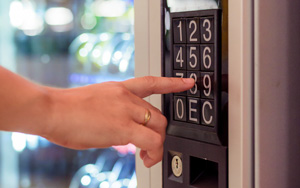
149, 63
253, 91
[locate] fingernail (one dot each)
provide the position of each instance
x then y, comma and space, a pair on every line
189, 80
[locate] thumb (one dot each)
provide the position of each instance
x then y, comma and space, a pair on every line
148, 85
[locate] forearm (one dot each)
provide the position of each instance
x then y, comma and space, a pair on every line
24, 106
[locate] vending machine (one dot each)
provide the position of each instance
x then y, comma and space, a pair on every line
192, 38
239, 125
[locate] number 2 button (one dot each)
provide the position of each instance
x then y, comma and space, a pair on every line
193, 31
207, 30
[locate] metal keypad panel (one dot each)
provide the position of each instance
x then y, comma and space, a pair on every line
195, 53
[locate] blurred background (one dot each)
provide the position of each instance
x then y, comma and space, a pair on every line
66, 43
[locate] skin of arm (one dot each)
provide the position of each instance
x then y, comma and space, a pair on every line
94, 116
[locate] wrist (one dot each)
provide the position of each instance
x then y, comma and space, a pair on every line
50, 103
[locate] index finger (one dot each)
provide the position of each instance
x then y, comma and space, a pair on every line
148, 85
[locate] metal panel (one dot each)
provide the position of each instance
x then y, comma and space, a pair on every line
147, 62
240, 127
141, 69
277, 92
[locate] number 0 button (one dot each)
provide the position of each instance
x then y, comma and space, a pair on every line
207, 30
180, 108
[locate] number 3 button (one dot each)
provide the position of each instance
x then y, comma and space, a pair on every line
207, 30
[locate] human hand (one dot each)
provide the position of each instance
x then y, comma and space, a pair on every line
112, 113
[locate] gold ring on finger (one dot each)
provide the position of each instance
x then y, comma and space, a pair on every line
147, 117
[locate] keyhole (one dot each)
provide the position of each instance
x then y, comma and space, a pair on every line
177, 163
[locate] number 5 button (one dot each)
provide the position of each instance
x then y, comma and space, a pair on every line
207, 30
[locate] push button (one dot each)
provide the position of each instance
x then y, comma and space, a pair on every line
193, 57
180, 57
207, 57
179, 74
193, 30
195, 91
179, 28
176, 166
194, 110
207, 112
206, 82
180, 108
207, 30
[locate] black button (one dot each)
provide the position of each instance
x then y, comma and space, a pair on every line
179, 57
207, 112
207, 30
195, 91
194, 109
179, 31
207, 57
179, 74
193, 57
193, 30
207, 85
179, 108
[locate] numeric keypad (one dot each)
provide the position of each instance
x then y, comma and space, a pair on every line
194, 56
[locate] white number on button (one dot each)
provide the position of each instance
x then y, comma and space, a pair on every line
179, 104
207, 85
193, 56
180, 30
207, 22
206, 58
193, 22
179, 74
194, 89
179, 58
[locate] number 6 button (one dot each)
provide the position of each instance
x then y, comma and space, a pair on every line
207, 57
207, 30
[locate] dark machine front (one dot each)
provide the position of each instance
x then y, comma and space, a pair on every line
195, 45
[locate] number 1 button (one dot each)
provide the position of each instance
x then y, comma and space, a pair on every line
179, 31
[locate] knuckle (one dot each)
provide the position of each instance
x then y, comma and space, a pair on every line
164, 121
150, 80
158, 141
122, 91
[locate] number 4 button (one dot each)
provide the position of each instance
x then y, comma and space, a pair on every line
179, 57
207, 30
